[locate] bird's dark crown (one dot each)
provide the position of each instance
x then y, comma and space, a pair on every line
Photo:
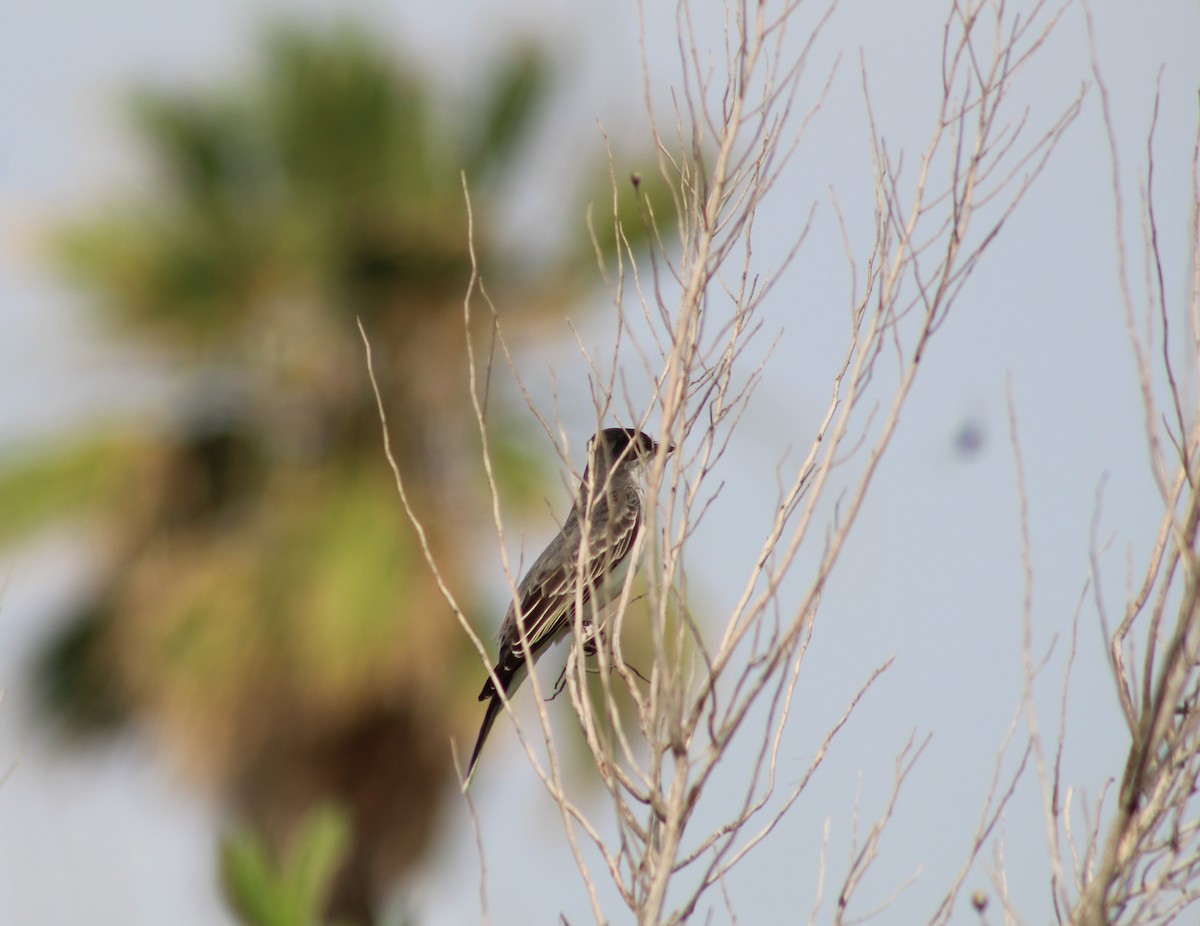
616, 442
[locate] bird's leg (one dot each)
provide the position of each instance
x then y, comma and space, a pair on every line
559, 685
589, 647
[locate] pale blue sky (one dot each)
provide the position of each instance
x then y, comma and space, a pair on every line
932, 575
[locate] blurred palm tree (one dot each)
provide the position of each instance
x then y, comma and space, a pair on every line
263, 606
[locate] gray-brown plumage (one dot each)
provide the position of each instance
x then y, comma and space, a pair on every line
613, 493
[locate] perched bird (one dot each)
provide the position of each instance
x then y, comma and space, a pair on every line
613, 495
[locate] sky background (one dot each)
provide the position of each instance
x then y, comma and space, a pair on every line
932, 575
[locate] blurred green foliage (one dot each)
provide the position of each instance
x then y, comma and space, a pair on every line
35, 488
262, 603
292, 890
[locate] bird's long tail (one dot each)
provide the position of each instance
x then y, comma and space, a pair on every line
509, 673
495, 705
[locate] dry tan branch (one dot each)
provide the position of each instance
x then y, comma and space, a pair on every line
660, 737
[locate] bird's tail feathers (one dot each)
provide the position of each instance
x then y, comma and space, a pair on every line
489, 717
511, 677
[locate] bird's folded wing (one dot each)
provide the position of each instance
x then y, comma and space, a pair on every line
549, 592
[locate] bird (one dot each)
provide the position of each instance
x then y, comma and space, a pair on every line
610, 503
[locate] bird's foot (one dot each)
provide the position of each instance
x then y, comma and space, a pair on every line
589, 642
559, 685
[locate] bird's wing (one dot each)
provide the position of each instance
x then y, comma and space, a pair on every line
548, 591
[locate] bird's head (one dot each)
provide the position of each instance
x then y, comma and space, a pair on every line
617, 446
